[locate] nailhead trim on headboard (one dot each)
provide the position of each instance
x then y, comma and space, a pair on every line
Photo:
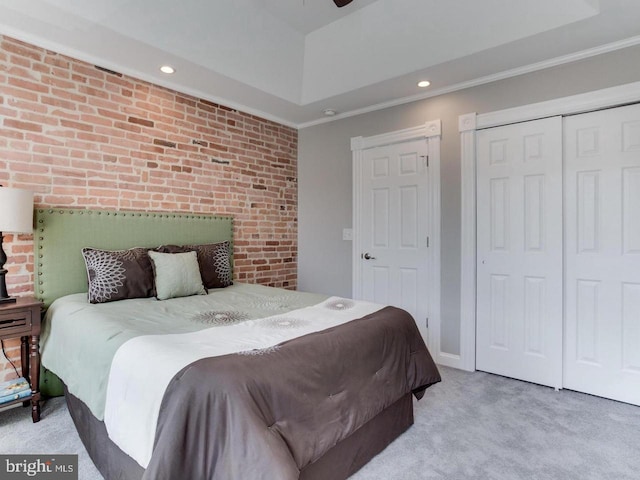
56, 234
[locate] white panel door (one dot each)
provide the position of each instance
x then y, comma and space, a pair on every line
519, 251
602, 252
394, 220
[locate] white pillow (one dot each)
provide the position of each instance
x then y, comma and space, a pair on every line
176, 274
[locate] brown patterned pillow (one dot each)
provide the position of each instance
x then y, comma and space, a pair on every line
213, 259
118, 274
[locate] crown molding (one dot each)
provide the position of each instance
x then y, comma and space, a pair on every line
534, 67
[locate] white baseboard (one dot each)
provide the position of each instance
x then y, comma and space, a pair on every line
449, 360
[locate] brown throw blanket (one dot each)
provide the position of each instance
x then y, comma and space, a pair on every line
267, 416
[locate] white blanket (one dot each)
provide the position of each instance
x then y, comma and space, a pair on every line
143, 366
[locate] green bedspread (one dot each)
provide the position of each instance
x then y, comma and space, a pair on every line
79, 339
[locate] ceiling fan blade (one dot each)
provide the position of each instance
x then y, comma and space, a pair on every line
342, 3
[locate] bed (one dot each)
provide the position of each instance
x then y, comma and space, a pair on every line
243, 381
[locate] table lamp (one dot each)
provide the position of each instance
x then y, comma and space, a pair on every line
16, 216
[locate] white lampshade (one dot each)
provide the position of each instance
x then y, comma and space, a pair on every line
16, 210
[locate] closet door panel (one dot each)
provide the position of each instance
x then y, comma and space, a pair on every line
519, 269
602, 253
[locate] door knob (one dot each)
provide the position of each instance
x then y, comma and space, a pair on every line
366, 256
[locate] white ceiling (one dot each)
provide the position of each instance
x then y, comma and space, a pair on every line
288, 60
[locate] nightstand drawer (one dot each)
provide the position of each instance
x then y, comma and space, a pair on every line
15, 323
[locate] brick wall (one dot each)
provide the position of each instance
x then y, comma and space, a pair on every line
80, 136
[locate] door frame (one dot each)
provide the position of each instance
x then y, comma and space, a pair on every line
468, 124
431, 132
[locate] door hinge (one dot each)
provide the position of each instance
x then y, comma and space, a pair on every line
427, 322
425, 158
427, 242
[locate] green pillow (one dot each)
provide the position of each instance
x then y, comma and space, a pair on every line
176, 274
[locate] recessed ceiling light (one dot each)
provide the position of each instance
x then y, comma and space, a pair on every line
329, 112
424, 83
167, 69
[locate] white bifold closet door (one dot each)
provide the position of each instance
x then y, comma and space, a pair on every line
519, 251
602, 253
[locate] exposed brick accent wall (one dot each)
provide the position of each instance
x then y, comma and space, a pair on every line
81, 136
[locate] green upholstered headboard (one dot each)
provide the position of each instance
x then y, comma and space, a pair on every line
61, 234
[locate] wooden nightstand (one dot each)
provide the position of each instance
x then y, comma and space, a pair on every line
22, 319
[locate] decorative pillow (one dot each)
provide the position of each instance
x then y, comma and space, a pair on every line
213, 259
176, 274
118, 274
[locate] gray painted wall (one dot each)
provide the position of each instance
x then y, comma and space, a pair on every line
324, 170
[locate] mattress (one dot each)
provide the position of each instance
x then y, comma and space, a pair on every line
245, 382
